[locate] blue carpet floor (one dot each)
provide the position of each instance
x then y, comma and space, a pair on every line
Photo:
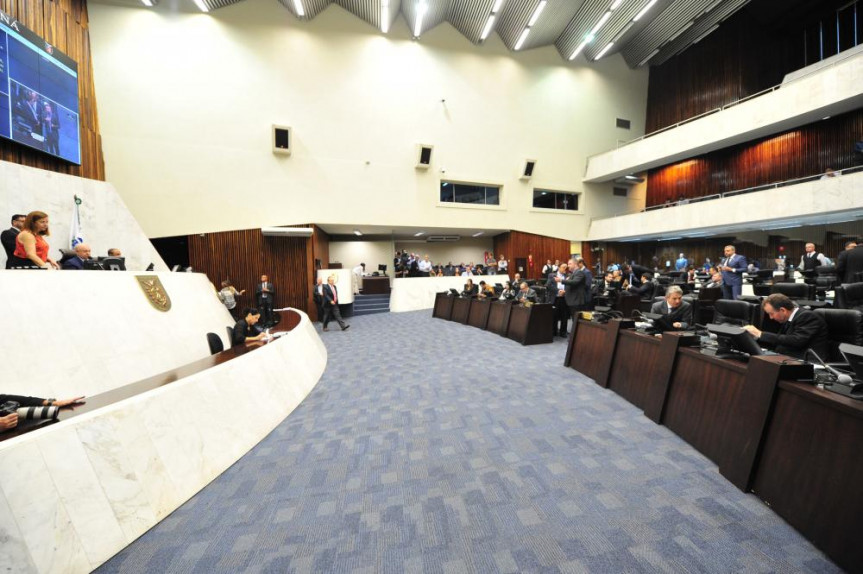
433, 447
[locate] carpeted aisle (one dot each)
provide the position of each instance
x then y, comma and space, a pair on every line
433, 447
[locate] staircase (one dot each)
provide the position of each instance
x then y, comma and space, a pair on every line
370, 304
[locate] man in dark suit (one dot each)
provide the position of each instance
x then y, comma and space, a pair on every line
643, 289
800, 329
7, 238
264, 295
318, 296
526, 294
331, 304
677, 311
732, 268
555, 291
588, 283
850, 262
574, 284
76, 263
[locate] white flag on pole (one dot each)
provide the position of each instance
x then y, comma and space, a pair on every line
76, 234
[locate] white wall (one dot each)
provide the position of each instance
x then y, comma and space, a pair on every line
372, 253
105, 219
465, 250
186, 102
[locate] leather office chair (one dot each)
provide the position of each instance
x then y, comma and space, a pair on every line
849, 296
794, 290
737, 313
843, 326
215, 343
825, 280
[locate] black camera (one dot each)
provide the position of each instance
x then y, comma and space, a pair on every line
8, 408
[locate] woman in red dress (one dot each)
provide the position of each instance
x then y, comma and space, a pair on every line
31, 249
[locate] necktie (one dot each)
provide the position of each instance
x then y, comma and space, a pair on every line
335, 295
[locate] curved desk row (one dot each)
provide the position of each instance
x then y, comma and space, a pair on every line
526, 325
75, 493
792, 444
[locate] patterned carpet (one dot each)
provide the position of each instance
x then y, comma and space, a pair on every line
433, 447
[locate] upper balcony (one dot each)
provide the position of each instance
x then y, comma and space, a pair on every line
827, 88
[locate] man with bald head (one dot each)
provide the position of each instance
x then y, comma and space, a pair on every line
82, 253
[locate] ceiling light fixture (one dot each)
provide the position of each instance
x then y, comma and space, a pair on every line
478, 233
644, 10
650, 57
385, 16
496, 8
615, 4
487, 30
522, 38
536, 13
703, 36
201, 6
578, 49
600, 24
603, 51
422, 7
679, 32
148, 3
419, 233
358, 233
298, 6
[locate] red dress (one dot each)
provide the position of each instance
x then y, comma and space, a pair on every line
41, 249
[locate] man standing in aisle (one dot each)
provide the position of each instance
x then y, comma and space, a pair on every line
265, 293
331, 304
732, 269
574, 288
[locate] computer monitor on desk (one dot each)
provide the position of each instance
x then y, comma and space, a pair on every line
733, 342
113, 263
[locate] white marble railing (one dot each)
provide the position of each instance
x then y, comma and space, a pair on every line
416, 293
86, 332
75, 493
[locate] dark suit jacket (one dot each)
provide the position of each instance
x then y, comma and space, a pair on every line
259, 291
735, 277
74, 264
806, 331
329, 296
644, 290
470, 292
529, 295
849, 262
683, 313
575, 288
318, 298
241, 331
7, 238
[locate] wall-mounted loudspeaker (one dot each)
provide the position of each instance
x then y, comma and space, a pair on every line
282, 140
424, 156
527, 171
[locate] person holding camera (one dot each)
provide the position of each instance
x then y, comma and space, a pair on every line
9, 420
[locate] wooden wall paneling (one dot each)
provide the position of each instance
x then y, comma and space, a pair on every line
64, 24
802, 152
518, 244
243, 256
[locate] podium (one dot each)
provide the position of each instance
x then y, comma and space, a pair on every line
443, 305
531, 325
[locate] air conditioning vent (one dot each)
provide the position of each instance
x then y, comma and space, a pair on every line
442, 238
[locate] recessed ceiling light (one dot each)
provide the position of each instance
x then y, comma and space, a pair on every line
603, 51
201, 6
478, 233
522, 38
535, 16
298, 6
422, 7
487, 30
358, 233
644, 10
148, 3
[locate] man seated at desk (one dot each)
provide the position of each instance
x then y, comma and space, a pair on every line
643, 289
800, 329
677, 311
526, 294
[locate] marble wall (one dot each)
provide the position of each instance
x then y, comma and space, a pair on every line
105, 219
86, 332
73, 494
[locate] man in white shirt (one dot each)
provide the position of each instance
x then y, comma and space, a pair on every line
502, 266
425, 266
357, 277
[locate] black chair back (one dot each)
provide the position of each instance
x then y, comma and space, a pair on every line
849, 296
729, 312
794, 290
230, 330
215, 343
843, 326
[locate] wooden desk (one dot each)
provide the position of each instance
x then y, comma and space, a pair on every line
498, 317
531, 325
461, 310
810, 470
591, 348
290, 319
376, 285
478, 315
443, 305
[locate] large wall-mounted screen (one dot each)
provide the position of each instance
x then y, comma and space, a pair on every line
38, 93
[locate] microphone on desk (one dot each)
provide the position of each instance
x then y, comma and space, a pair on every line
841, 378
703, 331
